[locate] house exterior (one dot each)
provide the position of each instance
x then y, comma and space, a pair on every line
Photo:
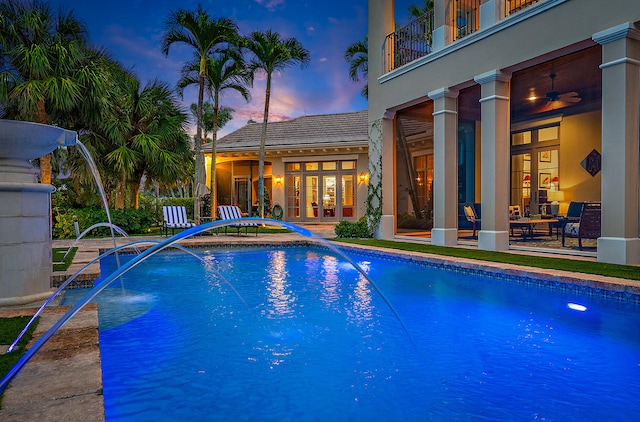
316, 167
507, 103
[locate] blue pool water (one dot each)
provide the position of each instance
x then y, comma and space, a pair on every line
298, 334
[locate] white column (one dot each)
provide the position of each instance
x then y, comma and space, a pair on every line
381, 175
442, 29
495, 156
490, 12
620, 145
445, 158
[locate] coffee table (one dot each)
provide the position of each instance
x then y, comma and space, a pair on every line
527, 225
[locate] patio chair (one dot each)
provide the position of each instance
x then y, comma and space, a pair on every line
470, 215
174, 217
588, 226
232, 212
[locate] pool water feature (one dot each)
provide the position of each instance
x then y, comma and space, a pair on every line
298, 334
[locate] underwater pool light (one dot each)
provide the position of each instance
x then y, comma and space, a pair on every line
576, 307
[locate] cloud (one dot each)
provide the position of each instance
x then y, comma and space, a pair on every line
132, 49
271, 5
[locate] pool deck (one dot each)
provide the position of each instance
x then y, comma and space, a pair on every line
64, 379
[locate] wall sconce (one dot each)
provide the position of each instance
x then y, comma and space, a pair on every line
363, 177
278, 180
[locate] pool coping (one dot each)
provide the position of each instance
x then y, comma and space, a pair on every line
63, 380
609, 287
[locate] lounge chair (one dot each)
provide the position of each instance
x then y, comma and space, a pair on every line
174, 217
232, 212
588, 227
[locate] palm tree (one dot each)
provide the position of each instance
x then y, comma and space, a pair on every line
46, 67
272, 53
225, 115
145, 134
205, 36
224, 71
416, 11
357, 55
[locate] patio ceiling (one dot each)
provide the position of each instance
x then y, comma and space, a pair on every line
576, 72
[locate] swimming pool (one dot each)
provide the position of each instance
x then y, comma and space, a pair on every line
298, 334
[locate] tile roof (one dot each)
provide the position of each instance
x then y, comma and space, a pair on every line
320, 130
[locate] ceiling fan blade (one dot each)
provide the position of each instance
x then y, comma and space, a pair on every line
570, 97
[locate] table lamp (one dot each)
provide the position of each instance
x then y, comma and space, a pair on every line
555, 196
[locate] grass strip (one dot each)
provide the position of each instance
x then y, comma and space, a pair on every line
9, 330
577, 266
58, 254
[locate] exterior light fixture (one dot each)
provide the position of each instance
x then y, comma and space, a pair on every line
278, 180
363, 177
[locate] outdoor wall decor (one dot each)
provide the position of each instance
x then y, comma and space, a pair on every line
592, 163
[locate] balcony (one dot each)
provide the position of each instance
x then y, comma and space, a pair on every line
409, 42
415, 39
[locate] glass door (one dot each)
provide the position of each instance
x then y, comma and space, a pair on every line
348, 195
241, 190
312, 208
535, 168
329, 199
293, 197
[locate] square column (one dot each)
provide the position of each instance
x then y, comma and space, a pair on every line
495, 156
445, 159
380, 206
620, 227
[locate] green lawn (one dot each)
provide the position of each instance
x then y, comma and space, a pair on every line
578, 266
58, 254
9, 330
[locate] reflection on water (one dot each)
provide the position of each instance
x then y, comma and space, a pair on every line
281, 299
330, 283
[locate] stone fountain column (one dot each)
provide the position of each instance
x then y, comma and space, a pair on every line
25, 211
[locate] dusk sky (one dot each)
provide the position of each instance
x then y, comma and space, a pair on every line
131, 30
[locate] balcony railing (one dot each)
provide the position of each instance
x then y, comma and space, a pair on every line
415, 40
409, 42
465, 18
513, 6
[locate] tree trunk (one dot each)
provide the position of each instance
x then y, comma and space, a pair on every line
45, 160
134, 200
200, 169
212, 176
263, 138
120, 188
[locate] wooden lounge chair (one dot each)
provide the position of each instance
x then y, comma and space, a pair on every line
174, 217
232, 212
588, 227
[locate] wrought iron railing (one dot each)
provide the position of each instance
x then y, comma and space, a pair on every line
465, 18
409, 42
513, 6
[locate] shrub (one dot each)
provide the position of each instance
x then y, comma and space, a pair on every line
347, 229
130, 220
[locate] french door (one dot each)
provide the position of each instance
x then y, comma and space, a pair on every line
535, 168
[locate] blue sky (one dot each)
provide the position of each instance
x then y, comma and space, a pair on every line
131, 30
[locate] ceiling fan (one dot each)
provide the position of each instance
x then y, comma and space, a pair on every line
567, 97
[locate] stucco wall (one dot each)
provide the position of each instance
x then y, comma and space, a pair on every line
579, 135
